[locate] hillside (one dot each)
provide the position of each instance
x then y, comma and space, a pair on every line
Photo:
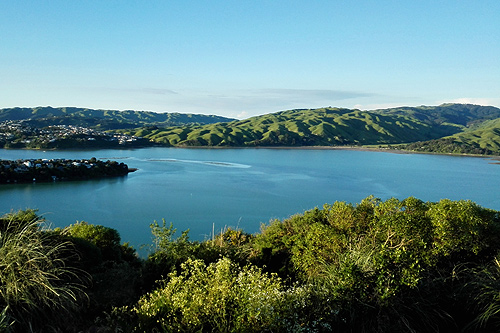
102, 119
481, 139
334, 127
459, 114
447, 128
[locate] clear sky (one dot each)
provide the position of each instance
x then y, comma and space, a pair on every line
241, 58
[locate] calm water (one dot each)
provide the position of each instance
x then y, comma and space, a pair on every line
199, 188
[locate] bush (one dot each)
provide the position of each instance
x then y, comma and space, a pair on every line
115, 269
378, 258
220, 297
104, 238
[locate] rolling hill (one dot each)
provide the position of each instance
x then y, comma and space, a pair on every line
103, 119
447, 128
483, 139
470, 124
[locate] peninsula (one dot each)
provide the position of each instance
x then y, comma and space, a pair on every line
50, 170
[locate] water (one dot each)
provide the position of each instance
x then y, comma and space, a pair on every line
197, 189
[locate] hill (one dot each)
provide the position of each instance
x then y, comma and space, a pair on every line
102, 119
481, 139
447, 128
466, 115
337, 127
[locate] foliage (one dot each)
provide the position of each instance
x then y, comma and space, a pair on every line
5, 321
375, 266
35, 283
168, 253
485, 290
234, 244
107, 240
371, 254
219, 297
114, 268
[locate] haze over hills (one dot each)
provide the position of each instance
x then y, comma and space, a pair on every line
447, 128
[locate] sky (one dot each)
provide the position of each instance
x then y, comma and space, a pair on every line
243, 58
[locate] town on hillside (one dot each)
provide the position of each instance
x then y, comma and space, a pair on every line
19, 134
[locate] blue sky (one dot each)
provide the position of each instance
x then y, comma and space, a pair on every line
244, 58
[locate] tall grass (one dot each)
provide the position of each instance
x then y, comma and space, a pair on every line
35, 282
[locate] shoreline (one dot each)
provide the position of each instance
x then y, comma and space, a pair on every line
356, 148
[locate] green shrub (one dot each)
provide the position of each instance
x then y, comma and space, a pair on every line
220, 297
104, 238
378, 258
115, 269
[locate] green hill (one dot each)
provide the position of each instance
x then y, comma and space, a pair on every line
458, 114
447, 128
329, 127
481, 139
103, 119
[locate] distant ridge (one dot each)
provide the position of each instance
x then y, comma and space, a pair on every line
103, 119
340, 127
447, 128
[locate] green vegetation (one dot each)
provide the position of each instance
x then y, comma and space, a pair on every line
324, 127
376, 266
474, 129
102, 119
447, 128
37, 288
455, 114
481, 139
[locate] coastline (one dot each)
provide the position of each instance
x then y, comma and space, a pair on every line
357, 148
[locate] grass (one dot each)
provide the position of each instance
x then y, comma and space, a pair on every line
326, 127
35, 283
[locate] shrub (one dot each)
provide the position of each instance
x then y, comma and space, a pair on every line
104, 238
378, 258
115, 270
220, 297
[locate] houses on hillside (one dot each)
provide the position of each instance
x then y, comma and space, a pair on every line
58, 169
21, 134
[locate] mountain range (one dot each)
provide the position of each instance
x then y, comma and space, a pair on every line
103, 119
447, 128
